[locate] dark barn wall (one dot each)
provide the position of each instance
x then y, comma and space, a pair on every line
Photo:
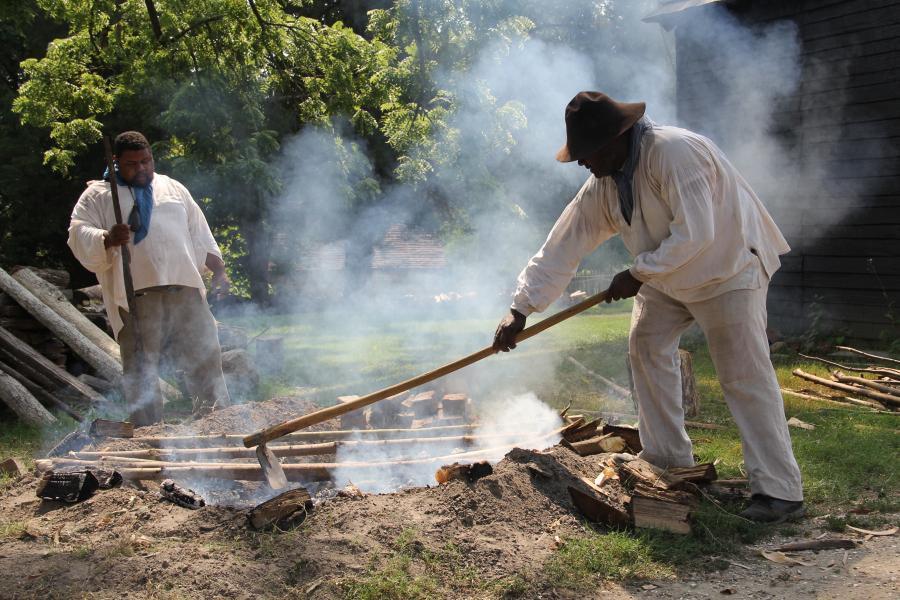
843, 221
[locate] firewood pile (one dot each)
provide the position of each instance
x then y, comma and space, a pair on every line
874, 384
629, 491
42, 336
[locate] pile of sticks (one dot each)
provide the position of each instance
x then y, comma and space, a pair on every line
872, 385
192, 457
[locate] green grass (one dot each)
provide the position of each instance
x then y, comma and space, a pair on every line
613, 555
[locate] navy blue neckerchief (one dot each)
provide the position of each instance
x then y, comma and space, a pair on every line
143, 202
624, 178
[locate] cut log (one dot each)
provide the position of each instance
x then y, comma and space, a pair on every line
423, 404
469, 472
639, 471
57, 278
12, 467
284, 511
690, 398
114, 429
598, 445
74, 441
889, 399
35, 361
87, 350
454, 405
23, 403
57, 302
357, 419
597, 506
92, 292
69, 486
631, 435
659, 509
585, 431
45, 397
176, 494
700, 473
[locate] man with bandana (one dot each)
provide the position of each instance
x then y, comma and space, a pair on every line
704, 250
171, 246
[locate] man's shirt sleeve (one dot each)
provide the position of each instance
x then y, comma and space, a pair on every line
583, 225
86, 233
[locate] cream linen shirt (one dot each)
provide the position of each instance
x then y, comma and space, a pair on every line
697, 230
173, 252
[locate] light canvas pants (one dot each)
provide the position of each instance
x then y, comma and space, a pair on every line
734, 324
175, 324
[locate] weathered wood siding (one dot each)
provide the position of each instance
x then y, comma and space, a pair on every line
844, 226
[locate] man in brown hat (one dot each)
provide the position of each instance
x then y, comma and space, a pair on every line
705, 247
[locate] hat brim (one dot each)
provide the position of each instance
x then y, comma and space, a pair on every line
634, 111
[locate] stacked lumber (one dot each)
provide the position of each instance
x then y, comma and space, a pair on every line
41, 332
872, 385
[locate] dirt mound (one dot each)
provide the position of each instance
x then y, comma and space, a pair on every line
131, 541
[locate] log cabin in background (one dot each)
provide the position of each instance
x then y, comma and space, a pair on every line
838, 201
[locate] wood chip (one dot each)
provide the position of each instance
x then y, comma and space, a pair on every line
782, 558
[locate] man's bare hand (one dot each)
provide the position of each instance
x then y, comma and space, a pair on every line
624, 285
118, 235
507, 330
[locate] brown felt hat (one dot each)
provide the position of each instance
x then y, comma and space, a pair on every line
593, 120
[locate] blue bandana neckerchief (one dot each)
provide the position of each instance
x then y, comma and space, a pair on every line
624, 178
143, 200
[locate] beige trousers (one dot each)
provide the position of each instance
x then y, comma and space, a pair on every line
735, 327
175, 324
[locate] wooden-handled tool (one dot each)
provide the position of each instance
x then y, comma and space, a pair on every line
269, 462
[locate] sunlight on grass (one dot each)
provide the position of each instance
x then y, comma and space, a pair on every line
580, 561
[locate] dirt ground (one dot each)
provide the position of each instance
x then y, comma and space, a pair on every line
128, 543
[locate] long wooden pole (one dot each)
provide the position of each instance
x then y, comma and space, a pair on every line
276, 431
126, 252
222, 439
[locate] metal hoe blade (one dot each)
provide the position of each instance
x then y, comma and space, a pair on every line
271, 467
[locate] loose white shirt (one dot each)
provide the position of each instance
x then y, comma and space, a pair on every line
697, 230
173, 252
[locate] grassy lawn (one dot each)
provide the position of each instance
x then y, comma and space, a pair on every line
846, 461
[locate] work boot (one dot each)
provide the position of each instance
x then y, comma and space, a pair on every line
766, 509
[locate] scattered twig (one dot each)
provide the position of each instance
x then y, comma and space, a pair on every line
868, 355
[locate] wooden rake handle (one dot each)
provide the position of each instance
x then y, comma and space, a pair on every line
276, 431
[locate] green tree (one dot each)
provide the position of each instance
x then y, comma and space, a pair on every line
216, 82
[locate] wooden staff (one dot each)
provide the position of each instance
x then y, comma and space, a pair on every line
126, 252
